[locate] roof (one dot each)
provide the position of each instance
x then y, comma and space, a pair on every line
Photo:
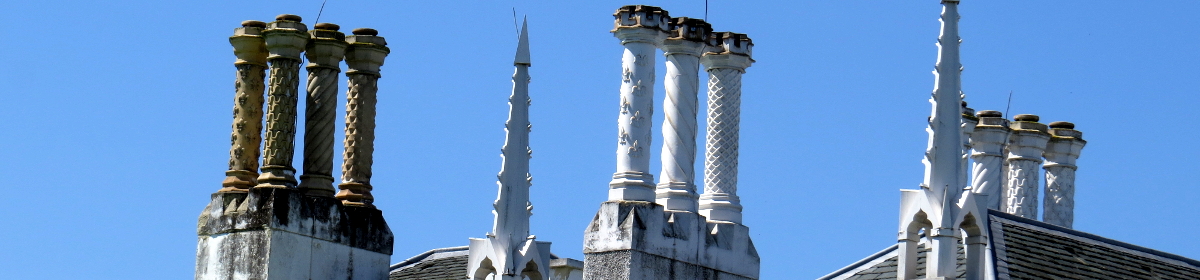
436, 264
1029, 249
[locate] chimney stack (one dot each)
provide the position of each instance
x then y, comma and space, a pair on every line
987, 145
1061, 152
251, 51
725, 63
325, 49
688, 37
641, 30
364, 57
1025, 146
286, 38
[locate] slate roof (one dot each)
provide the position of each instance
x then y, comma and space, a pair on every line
437, 264
1029, 249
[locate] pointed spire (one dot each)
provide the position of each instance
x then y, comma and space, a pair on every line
943, 157
523, 45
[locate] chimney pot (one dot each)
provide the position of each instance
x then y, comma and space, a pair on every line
365, 31
327, 26
989, 114
1065, 125
691, 29
1027, 118
288, 17
254, 23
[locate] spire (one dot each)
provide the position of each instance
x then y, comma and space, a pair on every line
943, 157
523, 45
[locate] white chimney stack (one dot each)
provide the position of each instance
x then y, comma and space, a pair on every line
1025, 148
725, 63
987, 145
1061, 152
641, 30
685, 43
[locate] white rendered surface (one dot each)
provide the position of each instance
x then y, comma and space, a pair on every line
510, 250
720, 201
987, 144
677, 189
1024, 159
632, 180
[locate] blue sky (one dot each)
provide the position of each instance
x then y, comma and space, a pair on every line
116, 119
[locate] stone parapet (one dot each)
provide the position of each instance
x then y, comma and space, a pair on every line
641, 240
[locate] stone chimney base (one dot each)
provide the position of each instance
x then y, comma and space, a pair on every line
634, 240
272, 233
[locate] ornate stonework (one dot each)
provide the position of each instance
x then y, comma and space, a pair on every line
364, 57
325, 50
251, 51
641, 30
725, 65
677, 189
286, 38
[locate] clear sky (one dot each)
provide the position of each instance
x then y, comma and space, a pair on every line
116, 119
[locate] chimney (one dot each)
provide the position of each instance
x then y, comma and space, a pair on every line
725, 63
987, 145
687, 40
641, 30
286, 37
364, 57
1025, 147
969, 121
251, 51
325, 49
1061, 152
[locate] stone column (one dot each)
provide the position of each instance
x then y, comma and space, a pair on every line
725, 65
326, 47
1061, 152
683, 47
1025, 148
286, 38
987, 145
251, 51
641, 29
364, 57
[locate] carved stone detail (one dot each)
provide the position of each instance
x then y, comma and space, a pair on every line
251, 51
677, 190
277, 170
632, 179
364, 57
325, 51
725, 65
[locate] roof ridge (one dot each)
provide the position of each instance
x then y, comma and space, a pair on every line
424, 255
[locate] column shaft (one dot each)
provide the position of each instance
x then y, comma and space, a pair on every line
725, 65
1062, 151
987, 144
633, 180
677, 189
251, 51
286, 38
325, 50
364, 57
1024, 158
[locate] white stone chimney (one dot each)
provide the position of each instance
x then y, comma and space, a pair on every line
510, 252
1061, 152
725, 63
1024, 158
987, 149
683, 47
641, 30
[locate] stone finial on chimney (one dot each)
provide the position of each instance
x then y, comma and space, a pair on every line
987, 149
1061, 152
1025, 146
286, 38
725, 63
364, 57
325, 49
641, 29
686, 41
251, 51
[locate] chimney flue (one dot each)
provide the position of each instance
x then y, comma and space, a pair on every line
987, 146
286, 38
641, 30
363, 57
1063, 149
1025, 146
251, 51
725, 63
325, 49
682, 48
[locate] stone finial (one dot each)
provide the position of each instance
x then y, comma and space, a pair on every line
642, 16
691, 29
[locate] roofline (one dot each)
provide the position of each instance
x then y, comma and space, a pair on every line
1094, 237
861, 262
422, 256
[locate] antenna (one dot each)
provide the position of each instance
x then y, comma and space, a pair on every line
1010, 92
322, 10
518, 29
706, 10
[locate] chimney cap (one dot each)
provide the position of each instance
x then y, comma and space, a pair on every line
1066, 125
288, 17
327, 26
989, 114
254, 23
1027, 118
365, 31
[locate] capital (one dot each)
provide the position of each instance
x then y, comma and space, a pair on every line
641, 16
366, 52
687, 36
326, 46
1029, 138
1064, 146
286, 37
729, 50
248, 43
